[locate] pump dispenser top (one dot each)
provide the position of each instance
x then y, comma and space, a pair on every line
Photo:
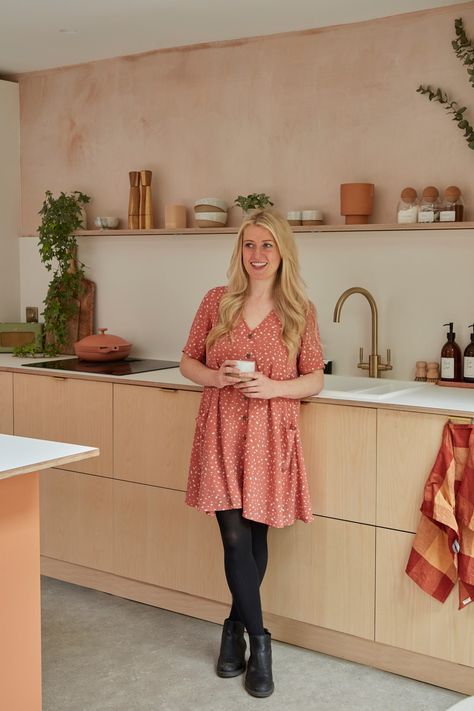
451, 357
450, 334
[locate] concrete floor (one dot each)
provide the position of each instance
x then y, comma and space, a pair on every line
104, 653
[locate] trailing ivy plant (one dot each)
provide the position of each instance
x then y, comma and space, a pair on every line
252, 201
60, 218
465, 52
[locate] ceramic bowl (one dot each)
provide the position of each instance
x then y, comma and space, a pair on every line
106, 223
210, 205
210, 219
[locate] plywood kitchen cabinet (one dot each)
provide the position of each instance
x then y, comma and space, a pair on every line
407, 445
407, 617
323, 573
339, 444
160, 540
76, 518
6, 403
66, 410
153, 434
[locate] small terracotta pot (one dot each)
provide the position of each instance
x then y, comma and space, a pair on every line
357, 202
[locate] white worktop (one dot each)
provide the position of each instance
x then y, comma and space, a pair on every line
21, 455
406, 394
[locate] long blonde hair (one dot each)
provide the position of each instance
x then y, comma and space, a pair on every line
291, 302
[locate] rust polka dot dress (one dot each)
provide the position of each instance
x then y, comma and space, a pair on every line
246, 452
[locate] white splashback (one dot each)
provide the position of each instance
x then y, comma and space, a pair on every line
148, 288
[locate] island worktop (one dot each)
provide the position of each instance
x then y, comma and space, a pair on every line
21, 459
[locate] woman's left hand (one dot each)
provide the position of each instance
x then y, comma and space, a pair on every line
260, 387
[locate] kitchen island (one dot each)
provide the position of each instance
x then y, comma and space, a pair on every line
337, 586
20, 641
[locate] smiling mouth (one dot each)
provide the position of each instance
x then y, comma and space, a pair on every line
258, 265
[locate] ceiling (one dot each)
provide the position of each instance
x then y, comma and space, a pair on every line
40, 34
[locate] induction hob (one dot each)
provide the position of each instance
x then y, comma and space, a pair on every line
127, 366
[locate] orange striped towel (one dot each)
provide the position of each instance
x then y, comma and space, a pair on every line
443, 549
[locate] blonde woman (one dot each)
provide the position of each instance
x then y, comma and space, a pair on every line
247, 464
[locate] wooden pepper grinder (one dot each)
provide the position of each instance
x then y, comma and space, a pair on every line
146, 208
134, 200
421, 371
432, 373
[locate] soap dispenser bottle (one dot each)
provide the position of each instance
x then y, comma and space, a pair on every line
469, 359
450, 357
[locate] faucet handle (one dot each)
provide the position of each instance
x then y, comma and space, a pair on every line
389, 356
361, 355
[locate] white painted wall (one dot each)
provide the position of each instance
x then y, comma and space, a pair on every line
9, 201
148, 288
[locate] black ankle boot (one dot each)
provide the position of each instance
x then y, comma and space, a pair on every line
259, 680
231, 660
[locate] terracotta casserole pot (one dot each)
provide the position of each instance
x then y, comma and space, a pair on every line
102, 347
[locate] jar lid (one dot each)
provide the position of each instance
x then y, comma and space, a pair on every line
408, 194
431, 192
453, 192
103, 339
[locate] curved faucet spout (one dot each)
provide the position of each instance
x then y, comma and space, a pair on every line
373, 308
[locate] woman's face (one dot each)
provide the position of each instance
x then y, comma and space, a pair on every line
260, 254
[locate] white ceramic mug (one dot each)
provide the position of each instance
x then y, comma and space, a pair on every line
245, 367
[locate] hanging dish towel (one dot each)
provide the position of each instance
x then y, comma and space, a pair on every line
443, 549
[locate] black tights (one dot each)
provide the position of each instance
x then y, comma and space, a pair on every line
245, 562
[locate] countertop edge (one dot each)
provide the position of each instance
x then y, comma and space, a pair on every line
135, 380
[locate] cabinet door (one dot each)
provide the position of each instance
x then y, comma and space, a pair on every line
339, 444
323, 573
153, 434
76, 518
160, 540
6, 403
407, 445
66, 410
407, 617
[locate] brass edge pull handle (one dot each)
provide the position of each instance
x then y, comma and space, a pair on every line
167, 390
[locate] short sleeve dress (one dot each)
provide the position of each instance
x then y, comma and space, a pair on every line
247, 452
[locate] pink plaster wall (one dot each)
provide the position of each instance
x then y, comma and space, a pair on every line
292, 115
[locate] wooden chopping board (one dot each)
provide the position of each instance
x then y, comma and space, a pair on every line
82, 324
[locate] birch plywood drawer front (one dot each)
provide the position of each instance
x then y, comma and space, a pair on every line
153, 434
339, 444
323, 574
407, 617
407, 445
66, 410
6, 403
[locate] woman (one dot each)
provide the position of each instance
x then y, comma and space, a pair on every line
247, 464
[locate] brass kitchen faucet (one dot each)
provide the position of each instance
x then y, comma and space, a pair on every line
375, 364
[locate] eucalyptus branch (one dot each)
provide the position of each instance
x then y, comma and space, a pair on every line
462, 45
452, 107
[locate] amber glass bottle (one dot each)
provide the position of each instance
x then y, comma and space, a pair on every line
469, 359
451, 357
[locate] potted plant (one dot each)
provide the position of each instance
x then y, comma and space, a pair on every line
254, 201
60, 218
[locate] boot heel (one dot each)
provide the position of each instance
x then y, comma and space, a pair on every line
259, 678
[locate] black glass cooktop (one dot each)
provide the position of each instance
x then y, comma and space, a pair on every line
128, 366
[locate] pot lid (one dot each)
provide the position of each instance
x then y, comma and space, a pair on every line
102, 339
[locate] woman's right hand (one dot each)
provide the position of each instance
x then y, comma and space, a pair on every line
223, 377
